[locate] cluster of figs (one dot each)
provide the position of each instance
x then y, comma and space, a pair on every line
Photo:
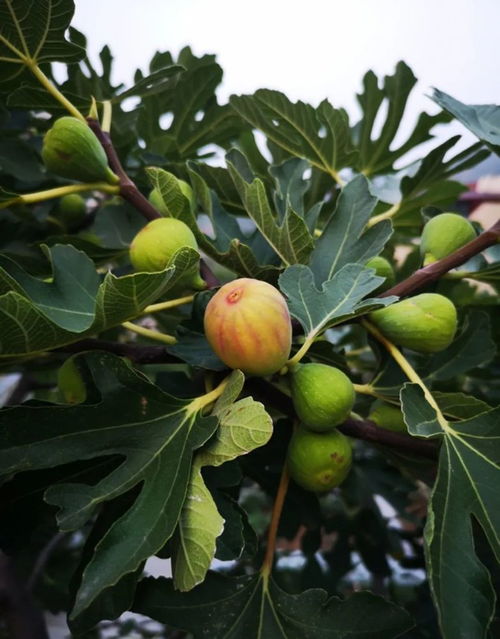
247, 321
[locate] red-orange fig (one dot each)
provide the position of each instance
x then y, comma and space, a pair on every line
247, 324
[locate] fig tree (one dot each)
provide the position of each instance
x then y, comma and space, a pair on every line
383, 268
443, 235
155, 245
425, 323
71, 150
387, 416
247, 324
323, 396
318, 461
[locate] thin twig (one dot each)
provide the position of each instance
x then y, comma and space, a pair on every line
428, 274
128, 189
279, 500
137, 353
43, 558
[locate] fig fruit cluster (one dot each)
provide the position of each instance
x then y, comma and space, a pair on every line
319, 456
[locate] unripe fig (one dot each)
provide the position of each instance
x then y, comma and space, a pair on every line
323, 396
72, 209
155, 245
383, 268
318, 461
443, 235
247, 324
387, 416
174, 210
71, 386
71, 150
425, 323
157, 201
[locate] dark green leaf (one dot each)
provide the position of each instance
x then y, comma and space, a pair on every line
69, 300
466, 489
34, 32
251, 607
344, 239
482, 119
320, 135
339, 298
154, 434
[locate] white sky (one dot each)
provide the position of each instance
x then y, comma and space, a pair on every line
311, 49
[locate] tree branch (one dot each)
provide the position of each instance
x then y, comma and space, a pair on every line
137, 353
128, 189
434, 271
130, 192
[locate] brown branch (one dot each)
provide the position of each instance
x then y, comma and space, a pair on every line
137, 353
434, 271
128, 189
130, 192
17, 608
370, 432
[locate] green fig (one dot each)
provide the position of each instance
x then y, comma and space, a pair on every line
72, 209
71, 150
248, 325
383, 268
426, 323
71, 385
387, 416
443, 235
180, 198
154, 246
318, 461
323, 396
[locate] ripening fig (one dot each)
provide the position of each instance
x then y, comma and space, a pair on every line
318, 461
443, 235
383, 268
387, 416
323, 396
425, 323
71, 209
71, 385
71, 150
247, 324
155, 245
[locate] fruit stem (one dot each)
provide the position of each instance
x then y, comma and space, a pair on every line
365, 389
53, 90
293, 361
49, 194
279, 500
199, 403
386, 215
408, 369
162, 306
147, 332
107, 114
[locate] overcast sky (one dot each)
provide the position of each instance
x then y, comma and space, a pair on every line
311, 49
